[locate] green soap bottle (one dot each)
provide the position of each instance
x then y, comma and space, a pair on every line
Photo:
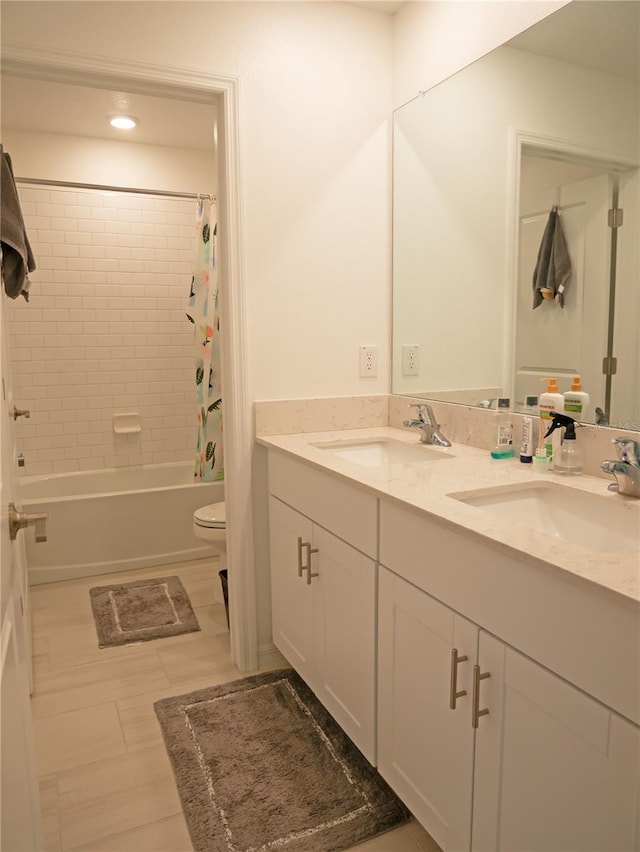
502, 442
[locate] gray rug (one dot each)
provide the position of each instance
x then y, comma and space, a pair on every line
142, 610
261, 765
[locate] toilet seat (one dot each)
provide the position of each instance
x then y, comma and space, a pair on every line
212, 517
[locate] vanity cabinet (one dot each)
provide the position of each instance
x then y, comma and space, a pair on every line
323, 592
425, 749
490, 750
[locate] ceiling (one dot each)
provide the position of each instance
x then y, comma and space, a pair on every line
52, 107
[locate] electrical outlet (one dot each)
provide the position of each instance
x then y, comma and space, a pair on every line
410, 359
368, 361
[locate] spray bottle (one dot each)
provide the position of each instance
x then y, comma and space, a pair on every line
550, 402
568, 460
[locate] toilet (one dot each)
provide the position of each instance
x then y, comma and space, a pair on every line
210, 525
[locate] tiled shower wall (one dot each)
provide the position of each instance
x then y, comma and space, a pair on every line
105, 330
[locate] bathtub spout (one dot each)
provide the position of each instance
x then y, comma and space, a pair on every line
22, 520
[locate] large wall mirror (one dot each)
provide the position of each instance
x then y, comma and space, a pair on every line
548, 122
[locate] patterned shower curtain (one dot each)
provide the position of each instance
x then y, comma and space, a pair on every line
202, 311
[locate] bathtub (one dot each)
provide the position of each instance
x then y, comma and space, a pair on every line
115, 520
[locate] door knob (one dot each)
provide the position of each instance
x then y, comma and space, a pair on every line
21, 520
20, 412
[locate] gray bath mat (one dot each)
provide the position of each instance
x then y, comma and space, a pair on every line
142, 610
261, 765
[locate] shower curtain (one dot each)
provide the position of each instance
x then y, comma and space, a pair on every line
202, 312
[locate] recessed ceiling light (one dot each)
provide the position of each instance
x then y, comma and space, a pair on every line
123, 122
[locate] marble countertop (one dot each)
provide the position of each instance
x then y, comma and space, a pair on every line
427, 485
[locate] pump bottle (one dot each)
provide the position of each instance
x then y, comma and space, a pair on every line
551, 402
576, 401
568, 460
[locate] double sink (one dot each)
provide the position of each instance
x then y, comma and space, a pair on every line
601, 523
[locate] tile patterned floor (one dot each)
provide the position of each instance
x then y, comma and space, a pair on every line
105, 779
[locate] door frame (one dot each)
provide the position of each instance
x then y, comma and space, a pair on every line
102, 72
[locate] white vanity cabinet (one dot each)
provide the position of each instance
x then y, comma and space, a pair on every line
554, 768
425, 748
546, 768
323, 590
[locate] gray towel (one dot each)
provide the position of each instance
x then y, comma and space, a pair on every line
553, 266
17, 257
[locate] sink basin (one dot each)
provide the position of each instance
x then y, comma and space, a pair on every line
380, 452
599, 523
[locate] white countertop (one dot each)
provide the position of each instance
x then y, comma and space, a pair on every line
425, 486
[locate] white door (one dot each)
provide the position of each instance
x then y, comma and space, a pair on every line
555, 769
20, 824
555, 341
291, 597
425, 748
345, 644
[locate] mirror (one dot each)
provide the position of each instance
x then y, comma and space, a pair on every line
550, 120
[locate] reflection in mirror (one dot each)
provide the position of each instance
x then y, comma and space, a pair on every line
550, 121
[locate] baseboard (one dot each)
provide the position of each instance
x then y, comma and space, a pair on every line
270, 658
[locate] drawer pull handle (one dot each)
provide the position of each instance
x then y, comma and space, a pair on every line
454, 694
476, 711
310, 573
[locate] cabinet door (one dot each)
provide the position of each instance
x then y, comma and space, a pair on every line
291, 596
555, 769
425, 748
344, 620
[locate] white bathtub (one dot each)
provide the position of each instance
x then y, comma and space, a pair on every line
115, 520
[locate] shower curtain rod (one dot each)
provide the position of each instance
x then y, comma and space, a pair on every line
71, 185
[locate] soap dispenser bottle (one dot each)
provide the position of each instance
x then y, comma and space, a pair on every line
568, 460
576, 401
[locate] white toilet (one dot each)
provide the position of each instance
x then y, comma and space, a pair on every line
210, 525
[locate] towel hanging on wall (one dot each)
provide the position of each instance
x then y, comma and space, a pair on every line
553, 266
17, 257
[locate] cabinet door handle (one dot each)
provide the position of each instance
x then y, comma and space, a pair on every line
454, 694
300, 565
476, 712
310, 573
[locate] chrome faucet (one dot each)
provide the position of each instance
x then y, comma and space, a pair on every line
626, 468
425, 423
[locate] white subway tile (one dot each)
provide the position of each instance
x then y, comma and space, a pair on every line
28, 193
58, 224
63, 196
92, 251
45, 208
39, 468
66, 466
78, 238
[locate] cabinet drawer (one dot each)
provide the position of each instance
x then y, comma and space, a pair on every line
584, 636
345, 510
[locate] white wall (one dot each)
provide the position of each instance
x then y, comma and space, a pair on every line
55, 156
